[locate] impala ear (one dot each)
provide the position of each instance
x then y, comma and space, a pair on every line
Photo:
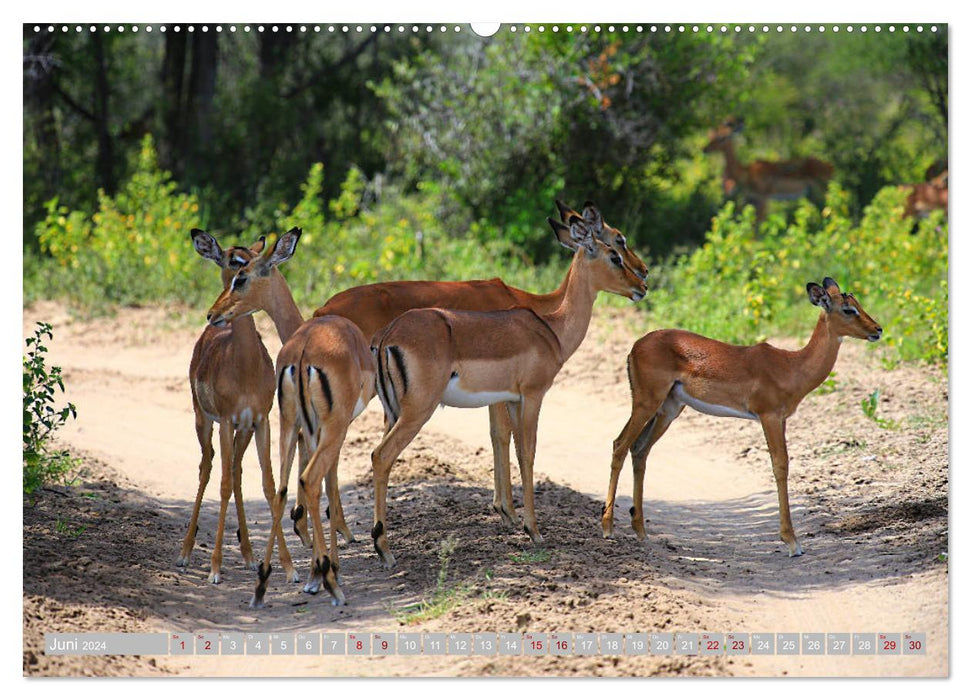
829, 284
592, 216
282, 250
562, 232
581, 234
259, 245
206, 246
819, 296
565, 211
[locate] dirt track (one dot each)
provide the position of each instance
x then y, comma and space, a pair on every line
870, 506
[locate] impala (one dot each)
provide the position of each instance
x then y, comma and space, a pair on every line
671, 369
231, 380
925, 197
324, 379
372, 307
762, 180
468, 359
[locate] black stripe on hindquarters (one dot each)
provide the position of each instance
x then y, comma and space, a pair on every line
325, 387
385, 387
400, 361
303, 402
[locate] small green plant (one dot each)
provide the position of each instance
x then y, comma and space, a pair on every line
531, 557
829, 385
942, 557
869, 406
443, 599
65, 528
43, 465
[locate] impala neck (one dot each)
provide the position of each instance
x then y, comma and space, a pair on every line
571, 318
246, 340
545, 304
282, 308
819, 356
733, 168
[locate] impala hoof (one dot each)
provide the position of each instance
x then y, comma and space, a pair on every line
215, 578
182, 562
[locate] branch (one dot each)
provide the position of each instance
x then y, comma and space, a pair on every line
330, 67
71, 103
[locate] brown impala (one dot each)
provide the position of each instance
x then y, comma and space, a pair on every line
508, 359
324, 379
671, 369
762, 180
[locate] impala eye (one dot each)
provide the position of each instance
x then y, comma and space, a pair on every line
615, 259
238, 281
237, 261
850, 311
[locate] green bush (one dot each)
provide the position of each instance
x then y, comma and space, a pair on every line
741, 287
133, 249
43, 465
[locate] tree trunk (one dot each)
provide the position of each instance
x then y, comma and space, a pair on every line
172, 143
105, 162
202, 90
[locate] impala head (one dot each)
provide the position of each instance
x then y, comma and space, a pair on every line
250, 288
720, 137
606, 268
229, 260
606, 233
845, 315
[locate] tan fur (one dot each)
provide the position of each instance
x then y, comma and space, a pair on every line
925, 197
517, 352
231, 381
758, 381
372, 307
762, 180
324, 373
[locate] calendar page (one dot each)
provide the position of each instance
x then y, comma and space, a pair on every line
438, 349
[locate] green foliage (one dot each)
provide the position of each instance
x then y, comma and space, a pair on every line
869, 406
444, 597
740, 288
42, 464
133, 249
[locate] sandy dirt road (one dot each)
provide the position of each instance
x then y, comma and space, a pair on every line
870, 506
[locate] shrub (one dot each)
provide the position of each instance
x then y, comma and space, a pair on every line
741, 288
42, 464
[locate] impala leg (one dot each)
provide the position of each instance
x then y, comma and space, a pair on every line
269, 488
641, 448
278, 501
225, 490
775, 436
382, 459
335, 509
240, 443
204, 433
525, 423
500, 431
642, 412
299, 513
324, 567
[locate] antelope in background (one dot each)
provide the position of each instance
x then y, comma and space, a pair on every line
671, 369
324, 379
763, 180
231, 379
925, 197
372, 307
468, 359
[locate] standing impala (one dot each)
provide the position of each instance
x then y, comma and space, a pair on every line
762, 180
324, 379
372, 307
925, 197
231, 379
468, 359
671, 369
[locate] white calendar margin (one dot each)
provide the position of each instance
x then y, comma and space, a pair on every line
702, 11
